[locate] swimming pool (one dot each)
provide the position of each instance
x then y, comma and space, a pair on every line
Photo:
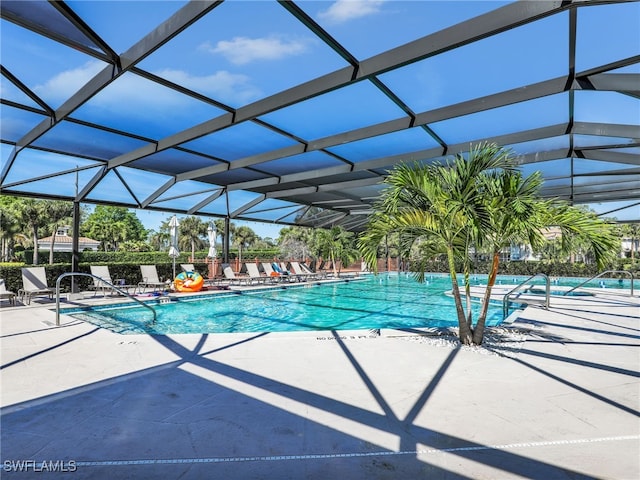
385, 301
372, 302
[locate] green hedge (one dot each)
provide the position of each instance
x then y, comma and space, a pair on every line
548, 268
94, 257
129, 271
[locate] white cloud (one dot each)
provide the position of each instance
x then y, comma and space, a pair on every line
345, 10
243, 50
223, 86
65, 84
131, 93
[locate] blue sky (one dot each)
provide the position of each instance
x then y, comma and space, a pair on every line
248, 50
152, 220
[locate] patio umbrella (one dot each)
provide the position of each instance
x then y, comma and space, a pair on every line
173, 249
212, 234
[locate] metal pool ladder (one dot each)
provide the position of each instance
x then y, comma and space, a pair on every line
81, 274
505, 299
600, 275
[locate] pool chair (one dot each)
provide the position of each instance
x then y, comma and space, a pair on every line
150, 279
104, 282
187, 267
34, 284
6, 294
231, 276
276, 275
254, 274
296, 272
299, 269
326, 269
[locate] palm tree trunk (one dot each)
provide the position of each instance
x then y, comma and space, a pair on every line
478, 332
52, 244
35, 245
464, 333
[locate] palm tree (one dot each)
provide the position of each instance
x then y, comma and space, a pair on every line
31, 214
58, 212
219, 224
461, 205
337, 244
243, 237
193, 232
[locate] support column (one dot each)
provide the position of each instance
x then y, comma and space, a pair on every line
225, 247
75, 256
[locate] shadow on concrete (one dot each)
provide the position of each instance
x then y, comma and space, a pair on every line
200, 418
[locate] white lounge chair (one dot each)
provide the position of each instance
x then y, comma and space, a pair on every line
277, 276
34, 284
298, 269
231, 277
6, 294
254, 273
150, 278
187, 267
104, 282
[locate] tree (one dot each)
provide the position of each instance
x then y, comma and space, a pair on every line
337, 244
462, 205
294, 241
243, 237
632, 232
10, 227
192, 233
112, 225
58, 212
219, 224
31, 214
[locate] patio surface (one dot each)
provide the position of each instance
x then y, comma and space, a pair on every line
555, 395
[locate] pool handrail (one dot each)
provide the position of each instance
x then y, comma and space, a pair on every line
82, 274
505, 299
595, 277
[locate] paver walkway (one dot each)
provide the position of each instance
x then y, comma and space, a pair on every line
555, 396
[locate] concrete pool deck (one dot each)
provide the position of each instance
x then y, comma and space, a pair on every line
555, 395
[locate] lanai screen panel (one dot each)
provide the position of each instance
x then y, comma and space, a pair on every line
294, 112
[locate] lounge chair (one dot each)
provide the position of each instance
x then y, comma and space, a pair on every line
279, 276
104, 282
254, 273
6, 294
284, 270
300, 269
150, 278
231, 277
34, 284
187, 267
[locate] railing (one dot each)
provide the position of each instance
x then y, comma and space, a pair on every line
505, 300
81, 274
595, 277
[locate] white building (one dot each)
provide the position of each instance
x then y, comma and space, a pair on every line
64, 242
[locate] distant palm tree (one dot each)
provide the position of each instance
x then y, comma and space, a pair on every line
193, 232
465, 204
243, 237
336, 244
31, 213
59, 212
219, 224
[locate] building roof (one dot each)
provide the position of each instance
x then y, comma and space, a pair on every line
293, 112
60, 239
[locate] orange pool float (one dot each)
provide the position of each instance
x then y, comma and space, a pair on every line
188, 282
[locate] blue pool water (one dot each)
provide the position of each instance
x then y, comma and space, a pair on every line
384, 301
